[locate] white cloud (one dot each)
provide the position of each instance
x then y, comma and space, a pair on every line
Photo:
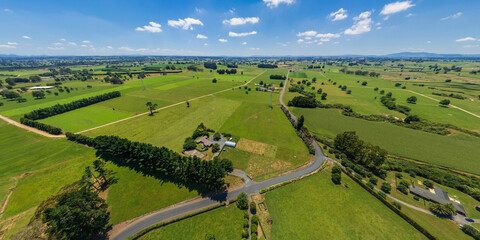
328, 35
142, 50
199, 10
233, 34
126, 49
466, 39
300, 40
185, 24
428, 42
7, 46
308, 38
109, 47
410, 15
254, 48
63, 39
454, 16
338, 15
307, 34
222, 40
232, 11
12, 43
58, 44
153, 27
200, 36
396, 7
85, 45
56, 48
471, 46
205, 44
320, 43
8, 10
244, 43
86, 41
72, 44
26, 37
241, 21
363, 24
275, 3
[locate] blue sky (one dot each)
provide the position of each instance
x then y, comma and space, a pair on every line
238, 28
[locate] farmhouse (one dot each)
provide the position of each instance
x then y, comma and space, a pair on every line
195, 153
440, 196
203, 140
41, 87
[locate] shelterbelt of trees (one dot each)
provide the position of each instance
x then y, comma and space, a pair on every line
160, 162
62, 108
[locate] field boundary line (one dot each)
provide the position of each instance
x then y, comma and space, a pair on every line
34, 130
434, 99
169, 106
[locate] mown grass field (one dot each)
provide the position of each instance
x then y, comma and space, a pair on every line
316, 208
457, 151
266, 125
136, 194
224, 223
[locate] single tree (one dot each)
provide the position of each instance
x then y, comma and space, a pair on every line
300, 122
188, 104
444, 102
242, 201
151, 106
386, 187
412, 99
38, 94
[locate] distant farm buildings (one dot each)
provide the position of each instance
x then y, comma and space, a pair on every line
41, 87
440, 196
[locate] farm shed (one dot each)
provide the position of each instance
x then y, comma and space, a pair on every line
41, 87
230, 144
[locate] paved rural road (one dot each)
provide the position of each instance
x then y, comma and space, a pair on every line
249, 187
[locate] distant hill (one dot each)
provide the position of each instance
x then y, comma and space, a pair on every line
429, 55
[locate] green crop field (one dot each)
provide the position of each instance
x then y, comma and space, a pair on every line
457, 151
85, 118
298, 74
316, 208
224, 223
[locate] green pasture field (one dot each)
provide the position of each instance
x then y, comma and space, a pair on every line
224, 223
316, 208
458, 151
170, 127
85, 118
261, 123
136, 194
19, 109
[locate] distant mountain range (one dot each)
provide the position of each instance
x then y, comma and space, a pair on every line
393, 55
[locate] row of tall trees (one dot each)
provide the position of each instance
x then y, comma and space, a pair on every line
277, 76
61, 108
227, 71
41, 126
160, 161
265, 65
303, 102
359, 151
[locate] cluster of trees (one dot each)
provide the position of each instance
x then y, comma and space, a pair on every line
13, 81
336, 174
359, 151
61, 108
227, 71
38, 94
445, 210
9, 94
360, 72
389, 102
303, 102
160, 161
277, 76
265, 65
211, 65
471, 231
193, 68
41, 126
452, 95
113, 80
232, 65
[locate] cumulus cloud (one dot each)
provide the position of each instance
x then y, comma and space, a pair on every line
454, 16
153, 27
86, 41
300, 40
185, 24
8, 10
244, 43
234, 34
396, 7
275, 3
26, 37
363, 24
200, 36
126, 49
56, 48
109, 47
328, 35
72, 44
307, 34
58, 44
338, 15
241, 21
222, 40
12, 43
466, 39
63, 39
7, 46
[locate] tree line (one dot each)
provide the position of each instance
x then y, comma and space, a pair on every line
160, 161
211, 65
41, 126
227, 71
265, 65
62, 108
277, 76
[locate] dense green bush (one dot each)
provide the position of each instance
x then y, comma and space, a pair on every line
386, 187
253, 208
471, 231
242, 201
397, 205
373, 180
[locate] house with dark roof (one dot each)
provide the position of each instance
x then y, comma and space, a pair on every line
440, 196
203, 140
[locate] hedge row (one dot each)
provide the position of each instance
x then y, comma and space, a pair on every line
62, 108
392, 207
160, 225
302, 133
41, 126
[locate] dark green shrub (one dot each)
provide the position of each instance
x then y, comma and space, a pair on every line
253, 208
242, 202
373, 180
386, 187
397, 205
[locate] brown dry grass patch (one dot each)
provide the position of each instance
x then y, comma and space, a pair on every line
255, 147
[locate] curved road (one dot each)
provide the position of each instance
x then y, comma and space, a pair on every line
249, 187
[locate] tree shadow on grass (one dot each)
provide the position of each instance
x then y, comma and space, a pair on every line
217, 195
